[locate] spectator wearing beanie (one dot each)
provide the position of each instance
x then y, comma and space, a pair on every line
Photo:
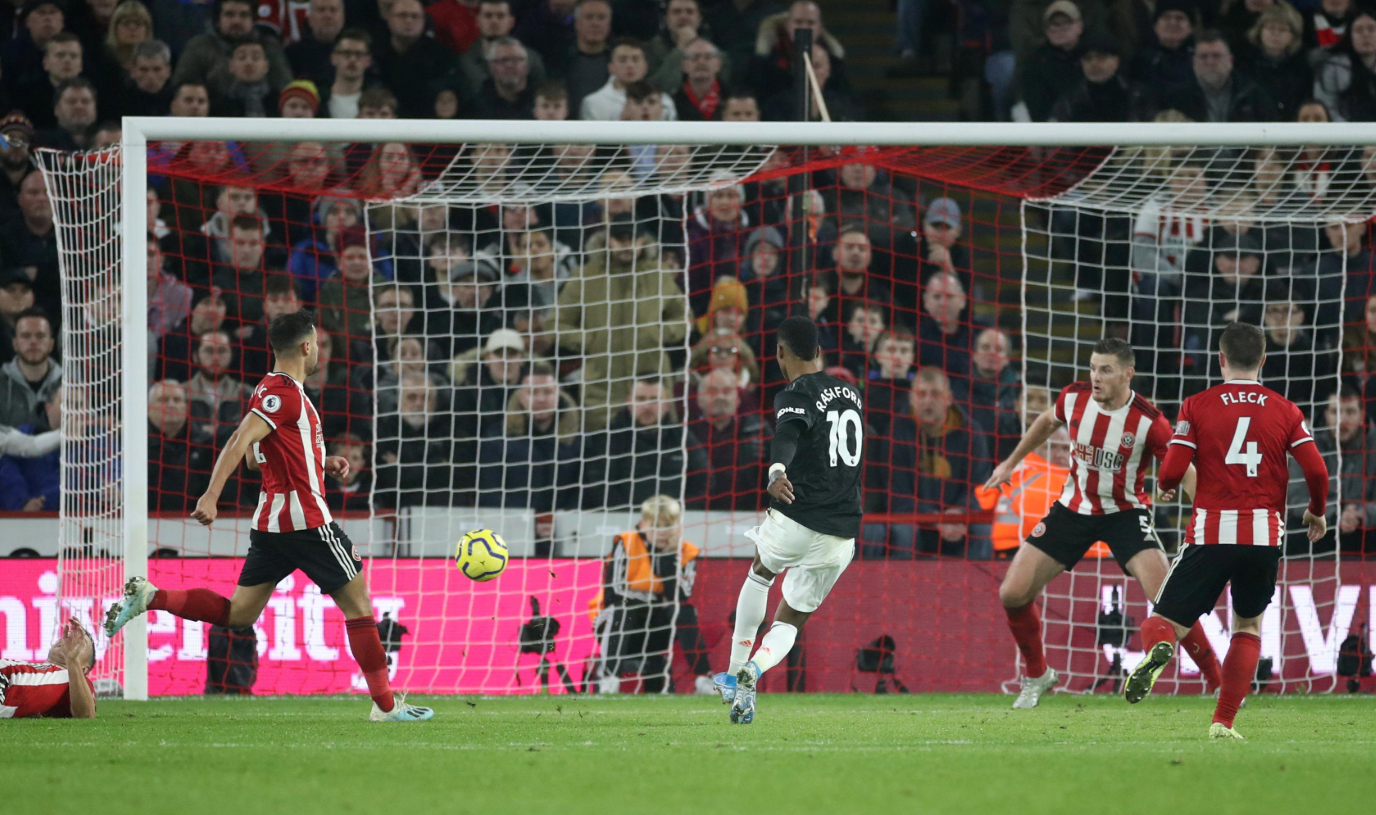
1103, 94
1170, 62
299, 100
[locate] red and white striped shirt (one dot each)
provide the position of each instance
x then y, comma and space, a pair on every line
1242, 434
35, 689
1109, 451
292, 458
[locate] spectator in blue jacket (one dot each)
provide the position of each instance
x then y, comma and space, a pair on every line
30, 470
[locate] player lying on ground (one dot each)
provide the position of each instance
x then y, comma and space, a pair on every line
814, 514
1237, 434
292, 527
59, 687
1113, 434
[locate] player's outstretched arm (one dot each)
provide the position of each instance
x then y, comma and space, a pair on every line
250, 431
1042, 428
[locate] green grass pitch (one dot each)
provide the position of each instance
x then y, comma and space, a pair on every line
658, 755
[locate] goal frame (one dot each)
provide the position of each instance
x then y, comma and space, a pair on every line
139, 131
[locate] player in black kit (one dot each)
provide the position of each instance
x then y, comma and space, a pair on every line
813, 517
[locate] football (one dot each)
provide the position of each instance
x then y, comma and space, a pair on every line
481, 555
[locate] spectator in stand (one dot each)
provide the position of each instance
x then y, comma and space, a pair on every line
853, 257
1345, 80
346, 299
395, 357
243, 278
700, 91
313, 260
1169, 63
507, 92
529, 455
618, 315
355, 492
772, 67
280, 298
864, 197
733, 445
541, 265
217, 397
169, 299
22, 61
15, 162
30, 242
943, 331
149, 93
1350, 257
415, 449
1216, 93
130, 25
350, 59
466, 308
1275, 59
992, 391
455, 23
1294, 366
16, 297
740, 106
1104, 94
62, 61
243, 85
180, 452
1234, 293
865, 322
209, 53
28, 379
717, 234
343, 409
668, 48
822, 310
628, 65
552, 102
642, 453
176, 352
583, 63
1346, 429
495, 22
1326, 24
782, 106
484, 387
312, 56
1055, 66
231, 201
940, 249
762, 272
31, 477
408, 62
889, 379
75, 112
724, 349
931, 465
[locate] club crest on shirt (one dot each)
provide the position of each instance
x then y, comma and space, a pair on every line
354, 549
1128, 440
1039, 530
272, 403
1182, 428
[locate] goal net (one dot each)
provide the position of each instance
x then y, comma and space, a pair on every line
539, 338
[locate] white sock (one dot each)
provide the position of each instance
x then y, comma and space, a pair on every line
777, 642
750, 608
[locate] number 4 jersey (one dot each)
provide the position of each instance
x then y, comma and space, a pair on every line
1241, 434
825, 471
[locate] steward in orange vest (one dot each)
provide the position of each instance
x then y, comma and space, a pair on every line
1026, 499
644, 603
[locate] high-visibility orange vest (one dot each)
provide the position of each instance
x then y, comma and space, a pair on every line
640, 573
1025, 500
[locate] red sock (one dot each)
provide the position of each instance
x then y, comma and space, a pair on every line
193, 604
1157, 629
1239, 668
367, 648
1026, 625
1198, 647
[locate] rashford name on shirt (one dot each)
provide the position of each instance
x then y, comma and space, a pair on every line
829, 394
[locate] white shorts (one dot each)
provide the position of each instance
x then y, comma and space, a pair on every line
813, 561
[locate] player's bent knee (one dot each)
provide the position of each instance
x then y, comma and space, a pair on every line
1015, 593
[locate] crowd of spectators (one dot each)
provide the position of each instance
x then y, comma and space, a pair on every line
533, 356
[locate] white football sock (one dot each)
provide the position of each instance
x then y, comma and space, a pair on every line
750, 608
777, 642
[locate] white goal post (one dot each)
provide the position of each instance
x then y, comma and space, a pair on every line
139, 132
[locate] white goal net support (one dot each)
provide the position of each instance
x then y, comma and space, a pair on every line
553, 322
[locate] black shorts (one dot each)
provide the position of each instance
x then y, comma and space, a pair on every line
1199, 575
1066, 535
325, 554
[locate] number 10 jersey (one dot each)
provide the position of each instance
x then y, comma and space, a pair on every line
825, 471
1242, 434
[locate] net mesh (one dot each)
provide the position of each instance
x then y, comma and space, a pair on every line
538, 339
